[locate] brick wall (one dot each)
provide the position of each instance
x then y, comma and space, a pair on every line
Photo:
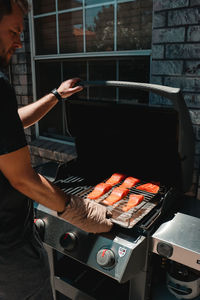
176, 58
20, 75
21, 79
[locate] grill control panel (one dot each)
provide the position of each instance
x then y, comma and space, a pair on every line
116, 255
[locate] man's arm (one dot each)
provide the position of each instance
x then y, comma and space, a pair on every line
16, 167
33, 112
87, 215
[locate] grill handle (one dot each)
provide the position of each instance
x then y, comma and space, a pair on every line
164, 91
186, 133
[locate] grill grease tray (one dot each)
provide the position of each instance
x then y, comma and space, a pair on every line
78, 186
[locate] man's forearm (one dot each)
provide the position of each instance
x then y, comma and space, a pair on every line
42, 191
33, 112
16, 167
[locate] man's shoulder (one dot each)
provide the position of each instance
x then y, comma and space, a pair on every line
3, 75
7, 90
4, 82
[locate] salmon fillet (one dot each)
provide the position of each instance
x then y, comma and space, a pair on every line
129, 182
115, 178
149, 187
133, 201
117, 194
99, 190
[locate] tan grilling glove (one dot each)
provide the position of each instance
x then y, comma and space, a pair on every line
87, 215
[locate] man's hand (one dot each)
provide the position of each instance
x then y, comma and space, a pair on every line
66, 89
32, 113
87, 215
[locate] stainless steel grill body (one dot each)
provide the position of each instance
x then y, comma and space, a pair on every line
87, 247
151, 144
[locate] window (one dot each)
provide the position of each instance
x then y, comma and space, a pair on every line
93, 40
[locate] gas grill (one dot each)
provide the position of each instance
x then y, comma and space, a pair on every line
149, 143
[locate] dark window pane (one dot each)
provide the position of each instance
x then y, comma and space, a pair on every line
134, 69
75, 69
71, 32
67, 4
90, 2
51, 125
45, 35
134, 25
48, 76
44, 6
100, 28
102, 70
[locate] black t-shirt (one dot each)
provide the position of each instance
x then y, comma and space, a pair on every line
16, 210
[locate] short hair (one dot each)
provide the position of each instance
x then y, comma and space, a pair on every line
6, 6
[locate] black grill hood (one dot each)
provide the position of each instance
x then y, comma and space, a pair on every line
150, 143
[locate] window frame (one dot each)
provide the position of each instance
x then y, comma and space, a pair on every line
64, 56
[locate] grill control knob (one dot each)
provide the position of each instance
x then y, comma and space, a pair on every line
68, 241
40, 226
105, 258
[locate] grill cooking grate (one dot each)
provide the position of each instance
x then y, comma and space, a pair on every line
74, 185
78, 186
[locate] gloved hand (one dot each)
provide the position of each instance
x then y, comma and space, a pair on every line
87, 215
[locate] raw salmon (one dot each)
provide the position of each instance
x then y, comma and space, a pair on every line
115, 178
129, 182
133, 201
149, 187
117, 194
99, 190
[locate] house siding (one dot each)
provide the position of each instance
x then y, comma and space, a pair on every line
175, 60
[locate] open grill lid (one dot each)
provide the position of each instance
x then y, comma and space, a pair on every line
142, 141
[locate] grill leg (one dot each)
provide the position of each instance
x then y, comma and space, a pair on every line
137, 287
51, 265
61, 286
140, 284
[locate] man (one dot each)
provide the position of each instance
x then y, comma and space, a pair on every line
24, 272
